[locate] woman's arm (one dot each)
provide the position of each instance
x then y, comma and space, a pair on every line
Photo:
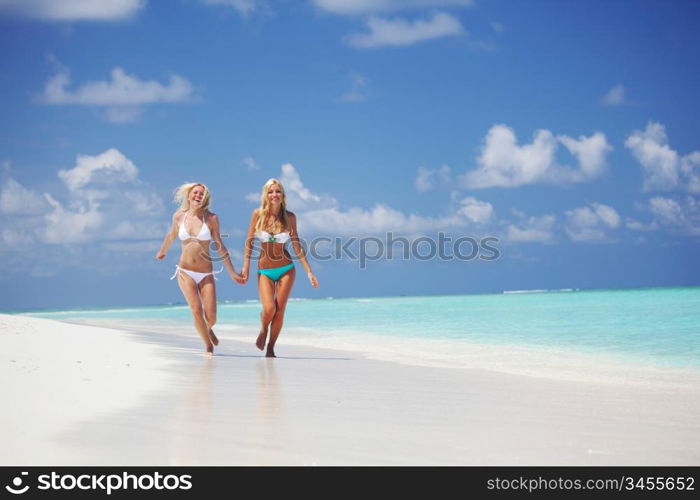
169, 238
249, 240
299, 250
213, 223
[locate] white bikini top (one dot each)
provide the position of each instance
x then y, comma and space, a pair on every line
203, 235
266, 237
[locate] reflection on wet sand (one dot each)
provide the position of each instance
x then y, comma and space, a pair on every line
190, 426
271, 433
214, 422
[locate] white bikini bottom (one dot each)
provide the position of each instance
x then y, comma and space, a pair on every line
196, 276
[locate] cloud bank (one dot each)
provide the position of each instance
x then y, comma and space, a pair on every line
122, 97
400, 32
505, 163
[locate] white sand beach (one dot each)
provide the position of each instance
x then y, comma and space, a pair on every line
87, 395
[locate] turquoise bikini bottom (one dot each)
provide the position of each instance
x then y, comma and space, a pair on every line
275, 273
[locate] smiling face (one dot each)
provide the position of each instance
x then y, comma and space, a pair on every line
198, 197
275, 194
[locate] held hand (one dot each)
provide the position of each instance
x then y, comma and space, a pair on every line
244, 276
312, 279
238, 278
160, 255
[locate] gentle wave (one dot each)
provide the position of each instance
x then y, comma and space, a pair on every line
544, 362
554, 363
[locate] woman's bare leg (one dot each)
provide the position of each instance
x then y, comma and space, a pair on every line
266, 289
207, 290
284, 288
191, 293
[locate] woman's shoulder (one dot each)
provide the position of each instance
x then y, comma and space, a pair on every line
178, 215
291, 215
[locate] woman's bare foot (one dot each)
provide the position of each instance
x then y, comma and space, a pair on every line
210, 351
262, 338
213, 338
270, 353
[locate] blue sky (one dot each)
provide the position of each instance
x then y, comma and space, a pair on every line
567, 130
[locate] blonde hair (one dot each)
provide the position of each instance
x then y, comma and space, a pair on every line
264, 210
182, 194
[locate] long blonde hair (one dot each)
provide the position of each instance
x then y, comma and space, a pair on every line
264, 210
182, 195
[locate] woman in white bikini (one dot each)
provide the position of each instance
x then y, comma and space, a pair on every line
273, 226
196, 227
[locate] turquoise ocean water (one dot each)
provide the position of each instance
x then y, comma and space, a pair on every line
528, 332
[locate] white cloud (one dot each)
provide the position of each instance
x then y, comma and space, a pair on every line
615, 96
106, 201
659, 161
244, 7
122, 90
667, 210
357, 91
107, 168
253, 197
590, 153
361, 7
251, 164
664, 169
130, 230
476, 211
681, 216
299, 197
66, 226
532, 229
105, 190
133, 247
591, 223
504, 163
400, 32
320, 213
381, 218
143, 201
122, 96
73, 10
607, 215
16, 237
16, 199
357, 221
690, 171
635, 225
428, 178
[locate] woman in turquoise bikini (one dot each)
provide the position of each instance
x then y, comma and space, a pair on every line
272, 225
